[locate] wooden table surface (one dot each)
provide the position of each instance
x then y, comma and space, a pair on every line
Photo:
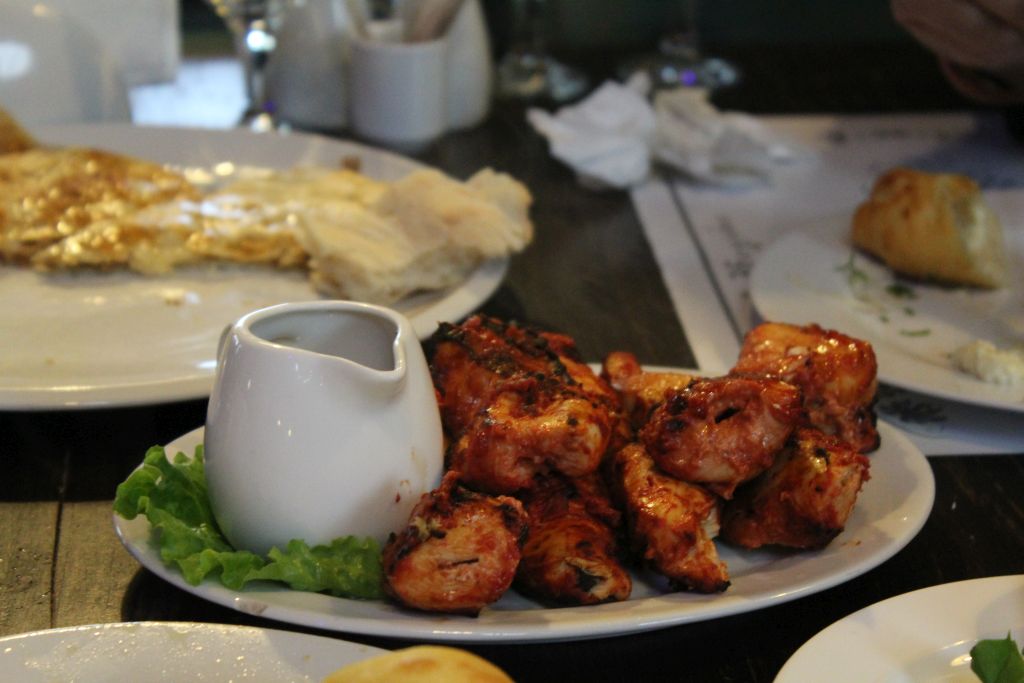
591, 274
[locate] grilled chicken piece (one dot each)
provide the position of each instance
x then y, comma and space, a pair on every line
516, 403
671, 522
570, 555
723, 431
836, 373
640, 391
804, 500
459, 552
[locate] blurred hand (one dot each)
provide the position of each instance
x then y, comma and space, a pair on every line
979, 43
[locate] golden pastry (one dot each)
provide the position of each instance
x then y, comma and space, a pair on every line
932, 226
421, 664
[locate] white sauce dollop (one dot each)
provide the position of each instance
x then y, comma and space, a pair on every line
989, 363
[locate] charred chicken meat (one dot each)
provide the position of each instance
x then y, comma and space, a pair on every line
571, 553
559, 478
722, 431
836, 373
671, 522
459, 551
804, 500
517, 403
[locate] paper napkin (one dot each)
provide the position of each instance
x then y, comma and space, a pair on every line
615, 135
606, 137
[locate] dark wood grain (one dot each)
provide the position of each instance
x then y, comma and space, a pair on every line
590, 273
92, 569
27, 533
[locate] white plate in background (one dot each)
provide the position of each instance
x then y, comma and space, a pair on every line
892, 508
804, 278
924, 636
148, 652
86, 339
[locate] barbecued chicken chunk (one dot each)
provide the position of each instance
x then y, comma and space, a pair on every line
516, 402
804, 500
837, 374
722, 431
671, 522
571, 555
458, 553
639, 391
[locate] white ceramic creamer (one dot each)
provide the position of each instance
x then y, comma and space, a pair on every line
322, 423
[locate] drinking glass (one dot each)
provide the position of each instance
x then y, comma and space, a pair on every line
680, 59
527, 70
253, 25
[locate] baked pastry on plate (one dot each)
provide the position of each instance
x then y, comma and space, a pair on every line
932, 226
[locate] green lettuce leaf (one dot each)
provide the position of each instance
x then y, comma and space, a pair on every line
998, 661
172, 495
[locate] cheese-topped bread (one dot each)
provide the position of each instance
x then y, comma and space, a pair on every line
933, 226
48, 194
249, 220
13, 138
359, 237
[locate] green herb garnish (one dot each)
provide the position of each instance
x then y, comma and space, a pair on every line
172, 495
916, 333
854, 275
900, 291
998, 661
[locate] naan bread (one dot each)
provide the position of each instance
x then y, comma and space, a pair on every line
425, 231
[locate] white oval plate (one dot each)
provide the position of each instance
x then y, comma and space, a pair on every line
88, 339
892, 508
147, 652
800, 279
924, 636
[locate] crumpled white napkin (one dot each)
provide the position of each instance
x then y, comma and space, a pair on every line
605, 137
612, 137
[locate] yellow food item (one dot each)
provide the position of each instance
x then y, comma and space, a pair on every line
47, 195
250, 220
358, 237
932, 226
13, 138
421, 664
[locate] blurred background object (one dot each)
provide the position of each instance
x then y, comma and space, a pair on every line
253, 25
305, 79
144, 36
680, 59
53, 69
470, 69
791, 53
526, 68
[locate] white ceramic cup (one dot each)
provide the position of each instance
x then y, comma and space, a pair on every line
397, 92
322, 422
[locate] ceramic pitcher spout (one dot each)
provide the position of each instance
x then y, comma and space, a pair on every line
362, 349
